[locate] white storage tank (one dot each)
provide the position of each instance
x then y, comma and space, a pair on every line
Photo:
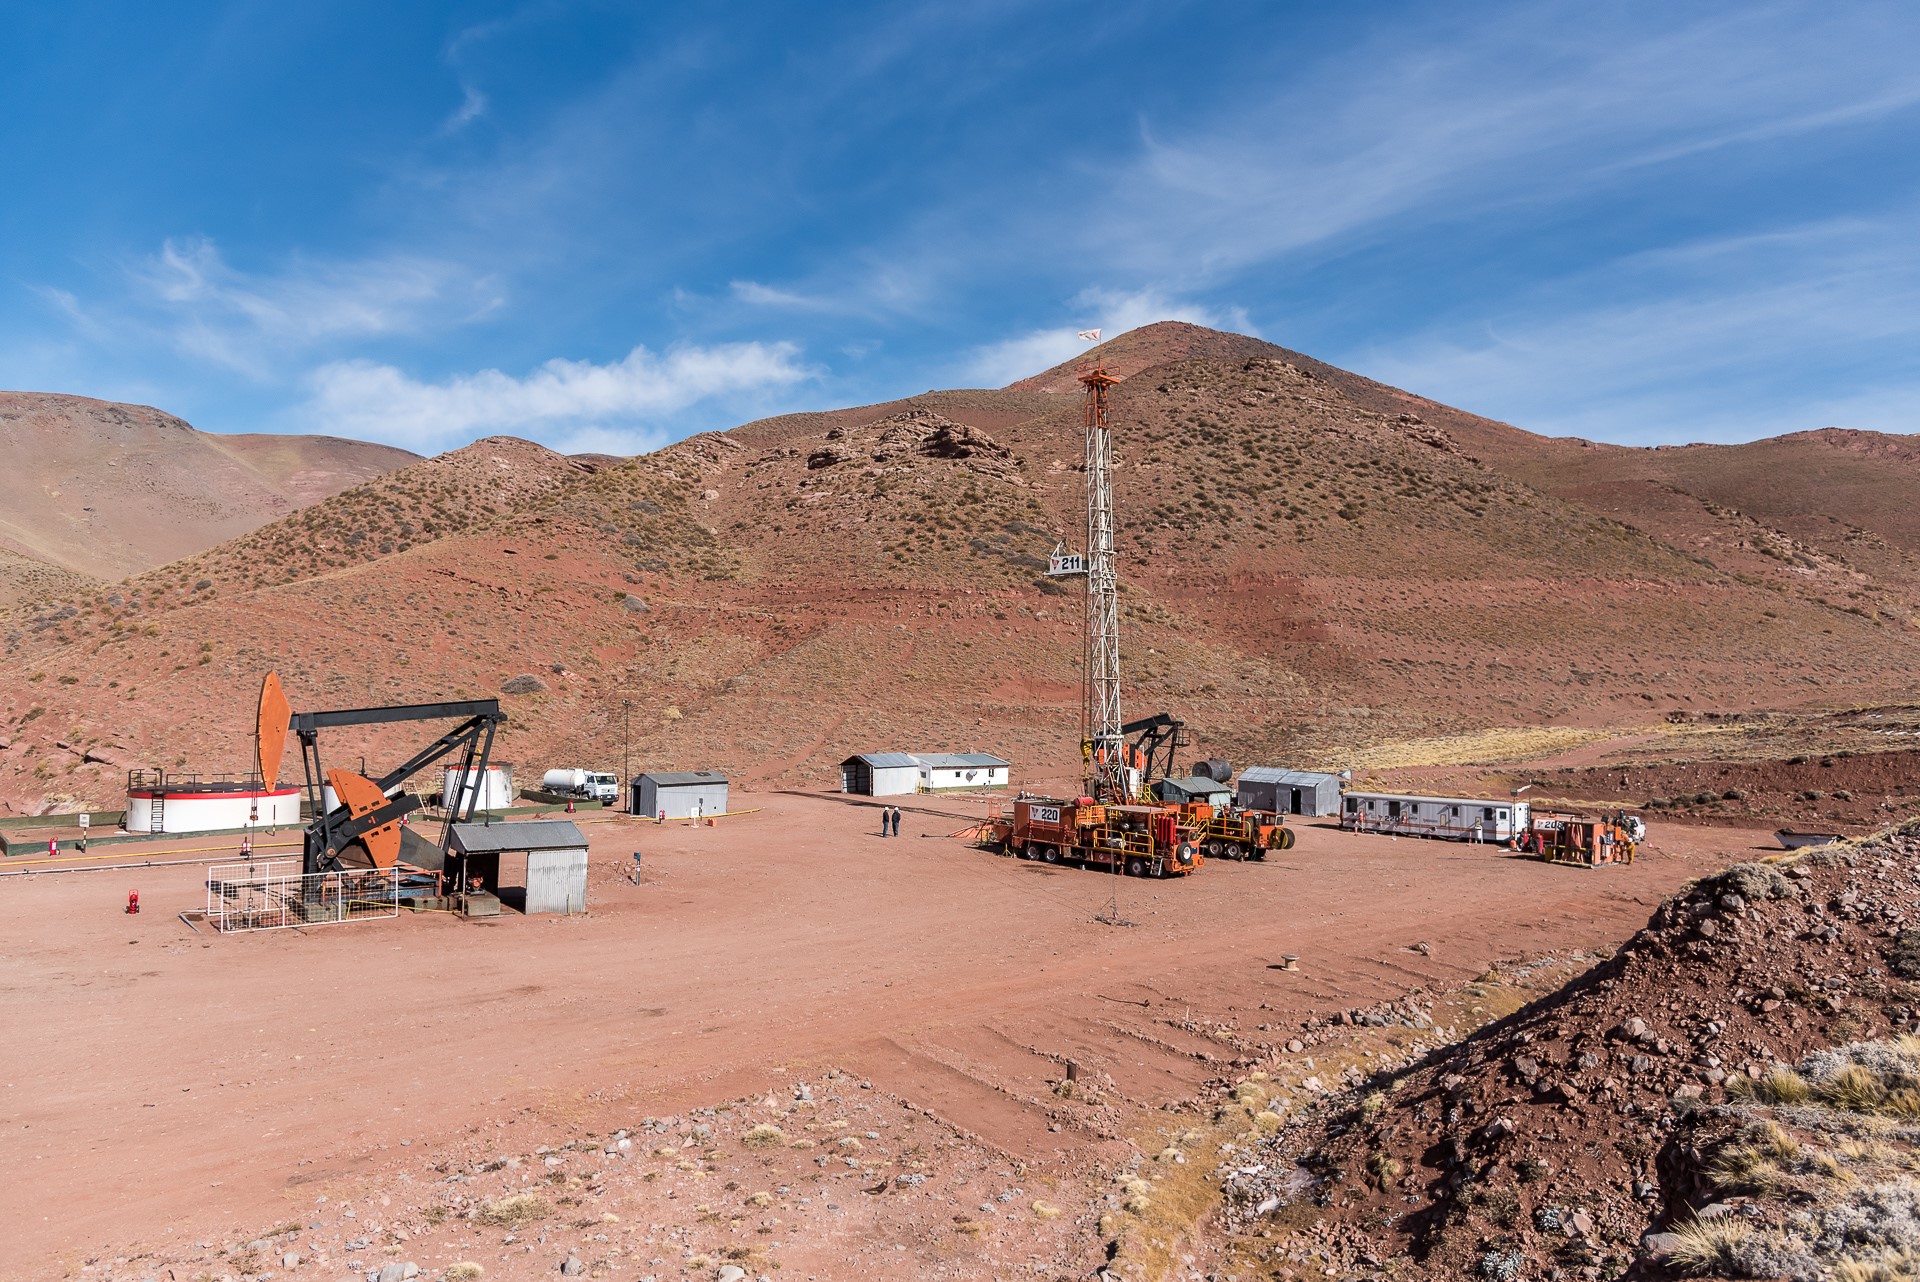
158, 804
495, 785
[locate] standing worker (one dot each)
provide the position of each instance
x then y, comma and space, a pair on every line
886, 814
896, 821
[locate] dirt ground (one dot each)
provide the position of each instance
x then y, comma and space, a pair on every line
361, 1088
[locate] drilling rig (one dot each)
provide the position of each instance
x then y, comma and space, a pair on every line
1102, 739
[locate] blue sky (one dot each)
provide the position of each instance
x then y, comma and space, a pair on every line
606, 226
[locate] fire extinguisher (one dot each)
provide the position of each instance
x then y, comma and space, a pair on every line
133, 901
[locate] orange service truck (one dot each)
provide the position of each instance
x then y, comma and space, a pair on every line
1140, 840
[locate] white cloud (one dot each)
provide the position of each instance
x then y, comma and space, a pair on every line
1113, 312
217, 313
622, 401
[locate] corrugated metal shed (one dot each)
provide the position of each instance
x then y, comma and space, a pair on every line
680, 778
556, 853
1288, 792
532, 834
680, 794
1191, 788
880, 774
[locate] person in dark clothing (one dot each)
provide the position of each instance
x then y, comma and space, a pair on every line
896, 821
886, 814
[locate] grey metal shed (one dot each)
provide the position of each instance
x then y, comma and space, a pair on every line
1194, 788
680, 794
1288, 792
880, 774
556, 852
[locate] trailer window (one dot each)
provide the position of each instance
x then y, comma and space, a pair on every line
1487, 813
1353, 804
1453, 812
1503, 814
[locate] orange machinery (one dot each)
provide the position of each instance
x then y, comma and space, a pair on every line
1140, 840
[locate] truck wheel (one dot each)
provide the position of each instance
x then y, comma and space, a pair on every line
1234, 850
1286, 839
1136, 867
1050, 854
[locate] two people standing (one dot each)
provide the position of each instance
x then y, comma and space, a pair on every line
889, 815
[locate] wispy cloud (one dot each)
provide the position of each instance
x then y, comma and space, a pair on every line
1536, 107
473, 105
1721, 339
749, 291
629, 400
215, 312
1113, 312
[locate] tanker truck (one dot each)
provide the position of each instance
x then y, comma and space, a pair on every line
572, 781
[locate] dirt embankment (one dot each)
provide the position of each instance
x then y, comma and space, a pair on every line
1855, 790
1565, 1139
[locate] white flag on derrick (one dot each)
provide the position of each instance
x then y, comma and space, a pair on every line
1090, 335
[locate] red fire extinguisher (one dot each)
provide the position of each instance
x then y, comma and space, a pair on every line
133, 901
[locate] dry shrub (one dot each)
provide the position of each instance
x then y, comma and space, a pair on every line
1383, 1169
465, 1271
516, 1210
1046, 1211
765, 1135
1708, 1246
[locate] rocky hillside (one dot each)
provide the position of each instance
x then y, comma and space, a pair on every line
1649, 1118
1314, 565
106, 490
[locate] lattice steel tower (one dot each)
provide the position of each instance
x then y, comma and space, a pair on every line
1103, 744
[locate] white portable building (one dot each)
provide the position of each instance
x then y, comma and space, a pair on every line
880, 774
943, 771
680, 794
1457, 818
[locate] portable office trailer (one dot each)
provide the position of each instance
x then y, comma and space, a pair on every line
682, 794
942, 771
880, 774
1287, 792
1458, 818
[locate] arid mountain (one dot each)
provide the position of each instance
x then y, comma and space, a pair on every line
1317, 569
106, 490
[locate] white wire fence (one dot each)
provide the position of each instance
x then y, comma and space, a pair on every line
276, 895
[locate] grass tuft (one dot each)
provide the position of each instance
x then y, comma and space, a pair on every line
514, 1211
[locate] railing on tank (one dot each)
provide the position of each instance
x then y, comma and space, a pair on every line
158, 779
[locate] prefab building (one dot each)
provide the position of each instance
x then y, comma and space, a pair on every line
556, 853
1194, 788
1288, 792
942, 771
680, 794
880, 774
1458, 818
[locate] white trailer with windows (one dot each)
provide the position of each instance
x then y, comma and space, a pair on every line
1403, 814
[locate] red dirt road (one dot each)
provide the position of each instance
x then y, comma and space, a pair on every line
166, 1088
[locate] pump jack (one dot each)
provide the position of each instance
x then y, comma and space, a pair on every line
364, 830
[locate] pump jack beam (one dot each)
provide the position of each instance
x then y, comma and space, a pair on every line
332, 830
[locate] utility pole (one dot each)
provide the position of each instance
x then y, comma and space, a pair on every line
626, 742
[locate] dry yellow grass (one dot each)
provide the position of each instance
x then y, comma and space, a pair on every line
764, 1135
1500, 743
513, 1211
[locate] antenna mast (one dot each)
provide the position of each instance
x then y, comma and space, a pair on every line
1104, 747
